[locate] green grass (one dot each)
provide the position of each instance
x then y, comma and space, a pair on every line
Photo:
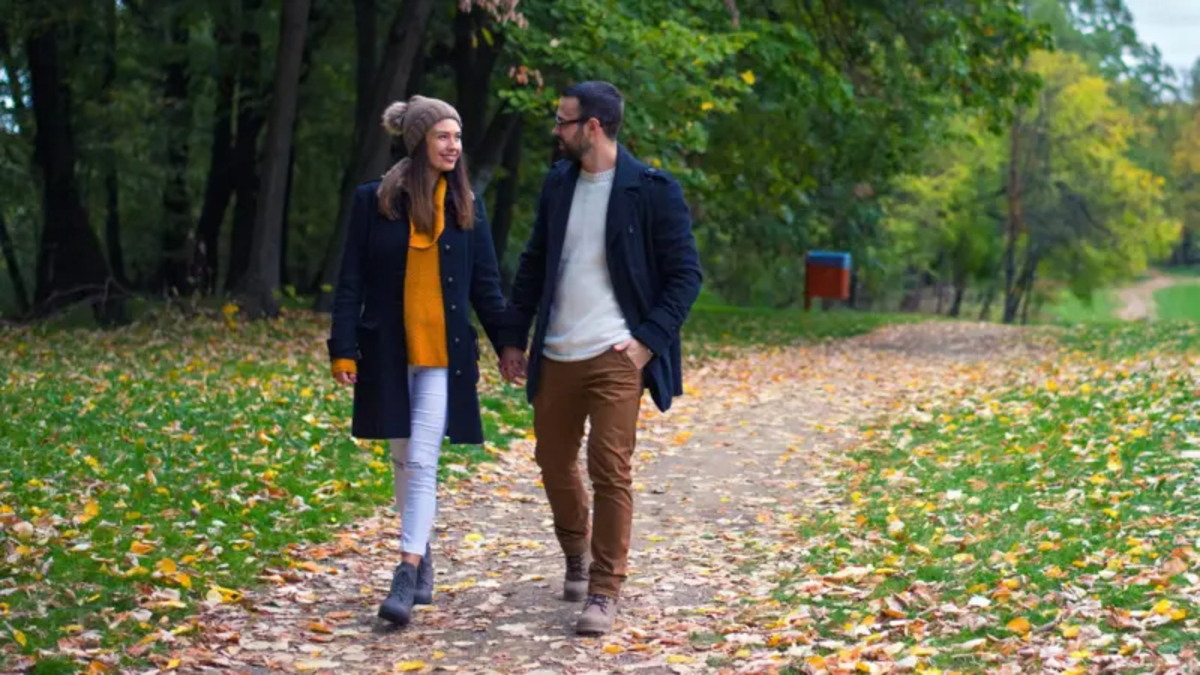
1076, 477
1180, 302
177, 456
1069, 309
149, 466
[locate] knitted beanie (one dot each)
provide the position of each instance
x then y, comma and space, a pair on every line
412, 120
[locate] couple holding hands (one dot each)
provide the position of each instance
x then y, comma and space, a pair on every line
610, 273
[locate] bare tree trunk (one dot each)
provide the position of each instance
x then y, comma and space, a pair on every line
985, 312
506, 199
260, 295
14, 269
372, 149
250, 120
71, 266
112, 222
960, 290
177, 112
218, 189
1015, 226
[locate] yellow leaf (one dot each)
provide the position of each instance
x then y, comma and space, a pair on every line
318, 627
1020, 626
748, 77
172, 664
183, 580
681, 437
1070, 631
678, 658
408, 666
706, 106
474, 536
742, 654
166, 566
20, 638
923, 651
1178, 614
817, 662
72, 629
1162, 607
90, 511
141, 547
438, 656
3, 608
613, 649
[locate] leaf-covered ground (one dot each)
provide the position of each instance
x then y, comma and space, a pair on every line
939, 497
147, 471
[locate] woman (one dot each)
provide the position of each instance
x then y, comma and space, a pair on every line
418, 251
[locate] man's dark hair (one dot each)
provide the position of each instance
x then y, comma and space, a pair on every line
601, 100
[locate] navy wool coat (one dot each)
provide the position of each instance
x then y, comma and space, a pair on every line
368, 316
652, 261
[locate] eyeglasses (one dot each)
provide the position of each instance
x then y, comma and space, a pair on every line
558, 124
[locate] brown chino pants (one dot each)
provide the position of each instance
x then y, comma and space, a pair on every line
607, 390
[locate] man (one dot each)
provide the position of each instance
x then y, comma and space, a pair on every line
611, 271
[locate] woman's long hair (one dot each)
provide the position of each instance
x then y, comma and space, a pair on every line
411, 175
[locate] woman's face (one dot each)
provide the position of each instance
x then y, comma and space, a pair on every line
444, 144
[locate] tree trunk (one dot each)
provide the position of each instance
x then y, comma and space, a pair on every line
366, 19
260, 293
985, 312
250, 120
372, 149
14, 269
506, 199
112, 222
960, 290
218, 188
1011, 295
177, 113
70, 265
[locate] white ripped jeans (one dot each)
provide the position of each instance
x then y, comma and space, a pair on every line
415, 459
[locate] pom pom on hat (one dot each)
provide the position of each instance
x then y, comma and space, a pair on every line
393, 118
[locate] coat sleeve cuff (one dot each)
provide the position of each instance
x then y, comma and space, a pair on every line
656, 339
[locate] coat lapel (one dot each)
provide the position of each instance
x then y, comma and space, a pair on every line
626, 180
558, 223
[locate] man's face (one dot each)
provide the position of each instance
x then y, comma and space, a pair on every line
571, 130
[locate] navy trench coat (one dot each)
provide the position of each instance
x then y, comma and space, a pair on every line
652, 261
368, 316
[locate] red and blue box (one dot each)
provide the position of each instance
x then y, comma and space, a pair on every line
826, 275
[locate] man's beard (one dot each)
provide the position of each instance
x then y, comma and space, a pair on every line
573, 152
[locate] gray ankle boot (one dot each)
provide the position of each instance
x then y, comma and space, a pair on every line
423, 593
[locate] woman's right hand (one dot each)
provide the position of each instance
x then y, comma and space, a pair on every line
345, 371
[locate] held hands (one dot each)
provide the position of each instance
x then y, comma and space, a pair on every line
514, 366
637, 352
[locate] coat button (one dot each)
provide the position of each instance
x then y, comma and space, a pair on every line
450, 280
457, 340
453, 308
447, 247
458, 373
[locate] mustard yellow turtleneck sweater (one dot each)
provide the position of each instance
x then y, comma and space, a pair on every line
424, 309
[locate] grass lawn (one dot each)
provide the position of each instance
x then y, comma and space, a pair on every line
1070, 310
145, 468
1179, 302
1061, 510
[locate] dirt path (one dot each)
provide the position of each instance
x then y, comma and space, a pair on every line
1137, 301
720, 482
